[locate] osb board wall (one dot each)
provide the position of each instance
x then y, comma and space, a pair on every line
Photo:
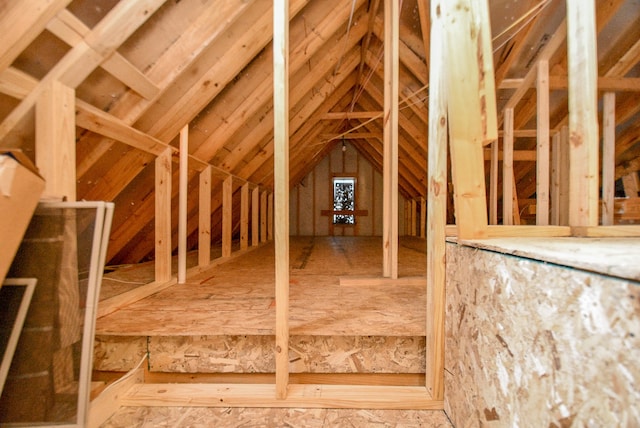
536, 344
314, 194
254, 354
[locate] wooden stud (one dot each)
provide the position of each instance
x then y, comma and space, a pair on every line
255, 217
423, 217
470, 110
565, 167
281, 188
542, 146
608, 156
436, 206
555, 179
493, 184
244, 216
55, 140
631, 185
163, 217
414, 218
227, 215
390, 127
204, 218
583, 109
507, 168
270, 210
263, 216
182, 204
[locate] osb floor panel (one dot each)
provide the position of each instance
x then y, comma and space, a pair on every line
240, 417
238, 297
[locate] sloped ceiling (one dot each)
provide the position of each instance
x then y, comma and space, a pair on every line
142, 69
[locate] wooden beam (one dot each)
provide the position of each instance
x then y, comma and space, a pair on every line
583, 109
281, 188
423, 217
299, 396
55, 140
542, 144
263, 216
340, 115
467, 31
605, 83
436, 205
565, 166
618, 231
270, 211
390, 126
255, 217
227, 215
182, 204
493, 184
204, 218
631, 185
349, 136
507, 168
82, 59
517, 155
555, 179
163, 217
244, 216
608, 156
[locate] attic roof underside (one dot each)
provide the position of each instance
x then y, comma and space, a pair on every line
141, 73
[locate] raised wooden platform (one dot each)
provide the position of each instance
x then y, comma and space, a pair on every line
222, 320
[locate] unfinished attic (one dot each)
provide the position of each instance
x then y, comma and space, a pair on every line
320, 213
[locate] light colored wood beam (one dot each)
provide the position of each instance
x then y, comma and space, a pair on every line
507, 167
436, 205
608, 156
182, 204
255, 217
583, 109
204, 218
244, 216
227, 215
467, 31
339, 115
281, 188
423, 217
163, 217
270, 212
493, 183
631, 184
542, 144
390, 129
55, 140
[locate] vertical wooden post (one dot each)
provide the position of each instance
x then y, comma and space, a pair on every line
163, 217
555, 179
493, 184
204, 218
255, 216
56, 140
471, 110
436, 206
414, 217
423, 217
270, 209
507, 168
565, 168
631, 185
281, 188
608, 156
244, 216
583, 113
227, 215
263, 216
390, 129
542, 147
182, 204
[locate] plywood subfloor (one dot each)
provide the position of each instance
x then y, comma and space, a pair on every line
238, 298
243, 417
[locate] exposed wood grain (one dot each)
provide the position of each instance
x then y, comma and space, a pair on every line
204, 218
182, 204
507, 168
542, 144
608, 156
163, 217
244, 216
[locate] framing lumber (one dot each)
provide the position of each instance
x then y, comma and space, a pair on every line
255, 217
542, 144
182, 204
617, 231
227, 215
110, 400
339, 115
204, 218
390, 131
470, 111
556, 167
244, 216
352, 281
631, 184
299, 395
270, 210
493, 183
84, 57
423, 217
583, 117
507, 168
608, 157
163, 217
263, 216
281, 188
55, 140
436, 206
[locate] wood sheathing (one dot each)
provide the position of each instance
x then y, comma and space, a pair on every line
142, 70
